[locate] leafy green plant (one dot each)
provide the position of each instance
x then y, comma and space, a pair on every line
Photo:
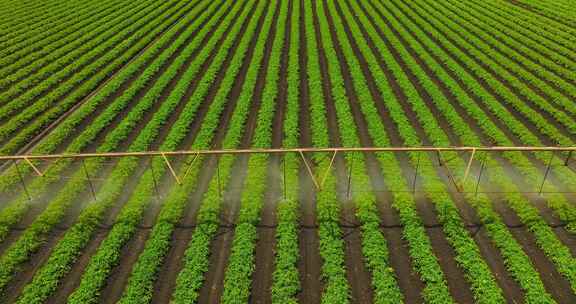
25, 61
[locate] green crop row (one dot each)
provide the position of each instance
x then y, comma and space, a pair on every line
556, 11
136, 29
514, 125
63, 256
238, 275
16, 69
13, 212
546, 238
138, 55
107, 256
336, 288
559, 203
20, 42
143, 275
516, 260
374, 247
196, 256
285, 279
35, 234
546, 36
510, 71
518, 49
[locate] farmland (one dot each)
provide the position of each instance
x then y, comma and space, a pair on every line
445, 218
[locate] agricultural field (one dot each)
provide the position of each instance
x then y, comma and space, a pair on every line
298, 222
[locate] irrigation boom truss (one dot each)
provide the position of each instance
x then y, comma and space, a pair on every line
318, 182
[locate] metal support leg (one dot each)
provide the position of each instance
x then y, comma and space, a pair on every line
154, 178
439, 158
171, 169
218, 177
190, 165
309, 170
89, 180
480, 174
284, 175
349, 187
416, 173
568, 158
328, 169
31, 164
546, 173
468, 167
22, 180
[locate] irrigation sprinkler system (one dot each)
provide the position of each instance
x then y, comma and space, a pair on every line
318, 180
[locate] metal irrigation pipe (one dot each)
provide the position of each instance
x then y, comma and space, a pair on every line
281, 151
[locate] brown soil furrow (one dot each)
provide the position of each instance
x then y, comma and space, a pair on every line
310, 262
171, 267
220, 247
37, 208
520, 63
45, 92
27, 270
537, 12
264, 264
399, 255
567, 238
136, 245
169, 271
213, 286
71, 281
550, 119
88, 120
492, 257
510, 288
13, 235
119, 276
264, 254
457, 283
554, 282
515, 113
458, 108
356, 273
